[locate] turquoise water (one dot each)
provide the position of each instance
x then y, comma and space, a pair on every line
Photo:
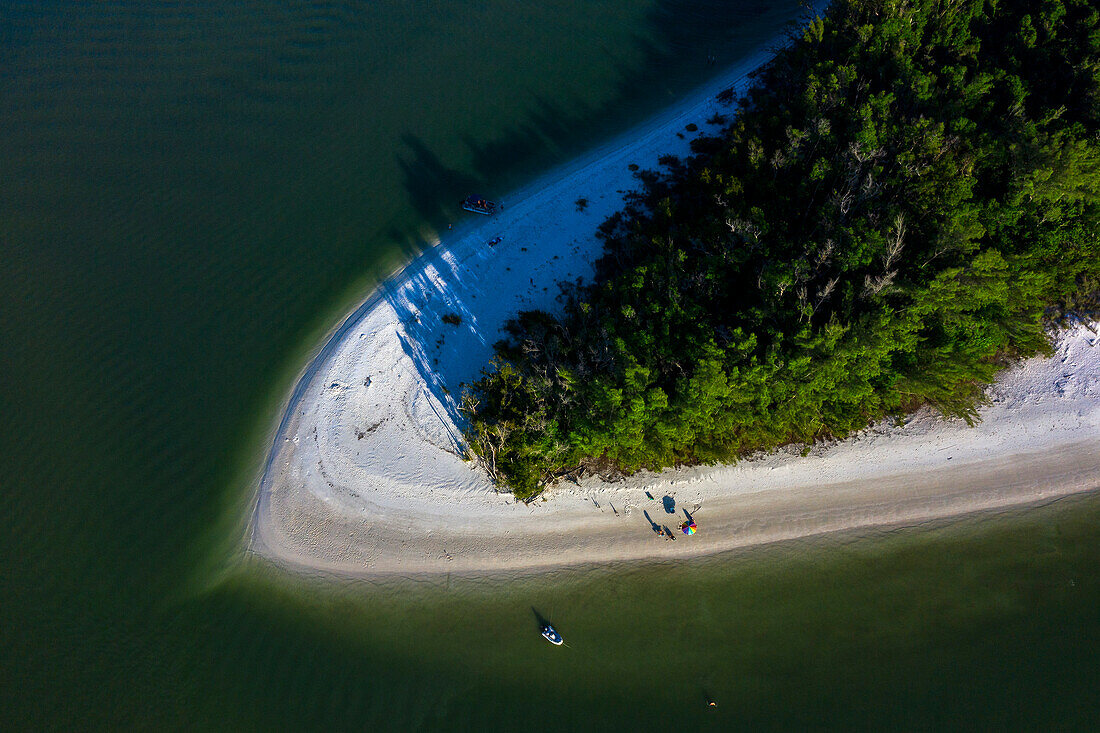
190, 195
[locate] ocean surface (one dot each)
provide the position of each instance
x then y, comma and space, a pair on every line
191, 193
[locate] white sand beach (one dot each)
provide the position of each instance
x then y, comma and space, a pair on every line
366, 476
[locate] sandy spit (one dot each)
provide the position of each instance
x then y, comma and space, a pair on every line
365, 476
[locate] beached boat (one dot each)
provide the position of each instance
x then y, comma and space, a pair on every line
551, 635
480, 206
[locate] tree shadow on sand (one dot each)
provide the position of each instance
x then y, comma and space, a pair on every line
435, 300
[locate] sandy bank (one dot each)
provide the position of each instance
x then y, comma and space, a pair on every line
365, 475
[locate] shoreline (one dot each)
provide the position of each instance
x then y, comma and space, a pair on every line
398, 577
364, 477
733, 78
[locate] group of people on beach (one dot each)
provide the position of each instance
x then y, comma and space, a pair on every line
688, 526
668, 534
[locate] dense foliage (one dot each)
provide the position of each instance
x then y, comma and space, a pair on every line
906, 190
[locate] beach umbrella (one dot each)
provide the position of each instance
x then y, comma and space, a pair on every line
688, 527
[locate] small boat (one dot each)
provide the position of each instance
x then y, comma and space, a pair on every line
551, 635
480, 206
495, 241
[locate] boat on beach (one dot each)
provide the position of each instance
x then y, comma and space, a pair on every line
551, 635
480, 206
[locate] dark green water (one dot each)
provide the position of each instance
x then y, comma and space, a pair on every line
190, 194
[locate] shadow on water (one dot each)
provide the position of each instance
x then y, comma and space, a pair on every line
541, 621
433, 188
546, 132
548, 126
550, 130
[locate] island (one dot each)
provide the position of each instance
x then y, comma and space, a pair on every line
863, 296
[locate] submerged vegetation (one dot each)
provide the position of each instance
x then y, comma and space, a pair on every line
907, 191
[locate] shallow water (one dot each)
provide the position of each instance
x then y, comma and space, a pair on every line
190, 194
987, 623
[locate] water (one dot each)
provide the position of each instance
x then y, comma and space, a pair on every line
190, 195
